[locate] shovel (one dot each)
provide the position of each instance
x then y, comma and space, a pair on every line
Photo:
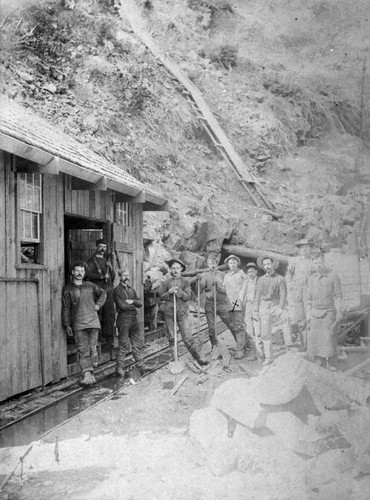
175, 366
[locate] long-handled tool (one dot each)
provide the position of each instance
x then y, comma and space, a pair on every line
175, 366
198, 312
220, 349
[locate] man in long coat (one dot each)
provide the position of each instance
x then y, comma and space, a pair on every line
324, 310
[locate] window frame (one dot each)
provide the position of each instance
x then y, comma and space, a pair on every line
33, 241
122, 213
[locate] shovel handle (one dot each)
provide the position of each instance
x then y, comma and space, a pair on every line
175, 327
215, 308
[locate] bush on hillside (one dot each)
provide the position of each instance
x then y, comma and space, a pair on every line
312, 108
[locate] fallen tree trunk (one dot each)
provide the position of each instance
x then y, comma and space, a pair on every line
253, 253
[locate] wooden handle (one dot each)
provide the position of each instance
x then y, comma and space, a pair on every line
175, 326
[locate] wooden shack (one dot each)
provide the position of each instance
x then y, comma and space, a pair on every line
56, 198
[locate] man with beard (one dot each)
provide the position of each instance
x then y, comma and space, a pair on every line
101, 272
81, 302
130, 337
176, 287
270, 303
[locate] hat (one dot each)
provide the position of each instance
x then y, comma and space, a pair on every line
300, 243
172, 261
275, 262
249, 265
100, 241
232, 257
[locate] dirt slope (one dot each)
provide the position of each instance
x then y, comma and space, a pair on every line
285, 81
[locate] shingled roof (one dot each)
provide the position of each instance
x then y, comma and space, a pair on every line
29, 136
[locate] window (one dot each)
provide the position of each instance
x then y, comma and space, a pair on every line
122, 213
30, 208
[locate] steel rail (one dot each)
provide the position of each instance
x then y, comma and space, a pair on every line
107, 372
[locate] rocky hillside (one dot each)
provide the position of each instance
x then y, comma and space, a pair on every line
287, 81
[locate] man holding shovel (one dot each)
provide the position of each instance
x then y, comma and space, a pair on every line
175, 293
216, 301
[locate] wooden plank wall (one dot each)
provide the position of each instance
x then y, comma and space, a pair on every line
32, 342
54, 278
20, 360
86, 203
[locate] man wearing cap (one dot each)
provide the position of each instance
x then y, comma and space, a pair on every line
101, 272
176, 287
233, 282
247, 296
270, 303
297, 276
324, 310
130, 336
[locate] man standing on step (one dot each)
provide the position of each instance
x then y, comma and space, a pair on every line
211, 283
101, 272
270, 303
297, 276
247, 296
81, 301
324, 310
176, 287
130, 337
233, 282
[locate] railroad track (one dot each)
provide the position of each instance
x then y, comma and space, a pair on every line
105, 371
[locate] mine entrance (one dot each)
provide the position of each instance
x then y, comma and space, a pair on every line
80, 235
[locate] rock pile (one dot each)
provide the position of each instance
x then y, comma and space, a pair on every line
295, 420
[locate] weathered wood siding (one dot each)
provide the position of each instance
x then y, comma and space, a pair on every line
87, 203
32, 342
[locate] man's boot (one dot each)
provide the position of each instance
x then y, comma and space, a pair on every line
120, 371
87, 379
240, 354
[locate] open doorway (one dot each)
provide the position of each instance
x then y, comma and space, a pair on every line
80, 235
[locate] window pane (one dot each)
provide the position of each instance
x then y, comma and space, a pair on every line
22, 191
27, 225
36, 199
29, 197
35, 226
37, 180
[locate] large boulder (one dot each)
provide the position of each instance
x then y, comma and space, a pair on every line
283, 380
208, 426
222, 458
238, 399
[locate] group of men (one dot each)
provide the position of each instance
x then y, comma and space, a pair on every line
89, 307
307, 301
308, 298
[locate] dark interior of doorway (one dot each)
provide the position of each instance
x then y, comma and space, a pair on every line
79, 240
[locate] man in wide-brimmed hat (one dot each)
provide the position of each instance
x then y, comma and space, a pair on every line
176, 287
247, 296
233, 282
270, 303
297, 275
